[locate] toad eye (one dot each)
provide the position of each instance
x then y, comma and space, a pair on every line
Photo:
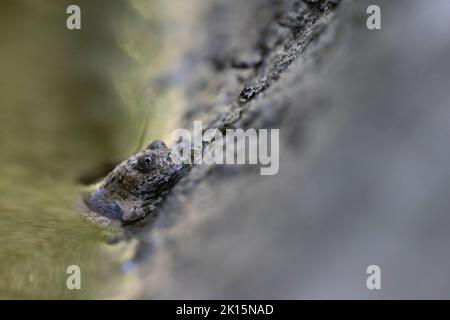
145, 163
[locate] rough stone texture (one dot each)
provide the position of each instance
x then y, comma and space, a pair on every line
364, 119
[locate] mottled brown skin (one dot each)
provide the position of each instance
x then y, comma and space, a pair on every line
135, 188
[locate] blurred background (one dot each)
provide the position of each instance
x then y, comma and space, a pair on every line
364, 175
69, 102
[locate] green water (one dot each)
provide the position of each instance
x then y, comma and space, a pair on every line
69, 101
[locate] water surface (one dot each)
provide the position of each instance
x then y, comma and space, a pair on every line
69, 101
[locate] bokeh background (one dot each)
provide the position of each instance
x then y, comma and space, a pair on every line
70, 101
364, 175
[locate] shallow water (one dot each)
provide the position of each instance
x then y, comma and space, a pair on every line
69, 101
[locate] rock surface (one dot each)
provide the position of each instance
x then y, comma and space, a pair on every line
364, 121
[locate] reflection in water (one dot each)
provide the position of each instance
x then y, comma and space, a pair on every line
69, 100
